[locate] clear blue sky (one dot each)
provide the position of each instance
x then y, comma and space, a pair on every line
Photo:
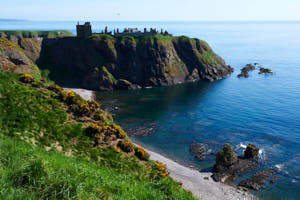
151, 10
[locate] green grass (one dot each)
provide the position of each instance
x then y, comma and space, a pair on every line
29, 172
33, 119
102, 36
47, 34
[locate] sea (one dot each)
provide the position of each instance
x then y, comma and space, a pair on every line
263, 109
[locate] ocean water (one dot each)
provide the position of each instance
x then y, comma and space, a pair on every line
262, 109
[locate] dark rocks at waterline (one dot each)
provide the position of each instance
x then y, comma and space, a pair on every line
251, 151
275, 179
258, 179
144, 130
265, 71
126, 85
245, 70
200, 150
229, 165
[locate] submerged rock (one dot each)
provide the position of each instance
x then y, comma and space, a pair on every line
200, 150
258, 179
275, 179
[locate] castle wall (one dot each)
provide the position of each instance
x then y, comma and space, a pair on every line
139, 34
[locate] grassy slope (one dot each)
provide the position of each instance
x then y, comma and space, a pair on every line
46, 152
47, 34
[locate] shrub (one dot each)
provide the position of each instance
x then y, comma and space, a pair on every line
55, 88
26, 78
119, 131
141, 153
81, 108
116, 149
126, 146
93, 105
70, 97
162, 169
93, 129
104, 117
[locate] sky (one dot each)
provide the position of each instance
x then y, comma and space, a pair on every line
151, 10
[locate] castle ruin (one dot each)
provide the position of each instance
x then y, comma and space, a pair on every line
85, 30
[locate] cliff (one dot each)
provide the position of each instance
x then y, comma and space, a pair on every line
13, 58
102, 62
107, 63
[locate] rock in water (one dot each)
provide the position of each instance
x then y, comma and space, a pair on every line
251, 151
228, 164
258, 179
226, 156
265, 71
199, 150
245, 71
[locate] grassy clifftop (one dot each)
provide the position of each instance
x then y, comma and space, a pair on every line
55, 145
30, 34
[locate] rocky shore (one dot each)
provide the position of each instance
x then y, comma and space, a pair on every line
201, 184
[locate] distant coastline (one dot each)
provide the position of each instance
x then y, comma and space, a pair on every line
13, 20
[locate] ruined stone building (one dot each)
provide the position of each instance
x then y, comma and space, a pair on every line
84, 30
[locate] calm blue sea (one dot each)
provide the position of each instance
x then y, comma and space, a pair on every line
262, 109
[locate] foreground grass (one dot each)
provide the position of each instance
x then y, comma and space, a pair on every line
46, 153
29, 172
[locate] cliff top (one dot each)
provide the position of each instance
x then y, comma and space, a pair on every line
36, 33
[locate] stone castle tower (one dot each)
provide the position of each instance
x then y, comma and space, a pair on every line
84, 31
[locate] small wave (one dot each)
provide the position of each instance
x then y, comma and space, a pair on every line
240, 146
278, 167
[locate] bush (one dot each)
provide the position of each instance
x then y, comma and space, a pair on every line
141, 153
104, 117
126, 146
93, 129
116, 149
26, 78
55, 88
93, 105
162, 169
119, 131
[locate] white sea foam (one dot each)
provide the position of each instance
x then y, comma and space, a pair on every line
243, 146
278, 167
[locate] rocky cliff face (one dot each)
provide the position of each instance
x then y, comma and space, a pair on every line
13, 58
107, 63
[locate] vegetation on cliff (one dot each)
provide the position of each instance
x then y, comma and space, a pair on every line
55, 145
32, 34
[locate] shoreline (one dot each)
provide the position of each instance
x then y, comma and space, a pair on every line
199, 183
87, 95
